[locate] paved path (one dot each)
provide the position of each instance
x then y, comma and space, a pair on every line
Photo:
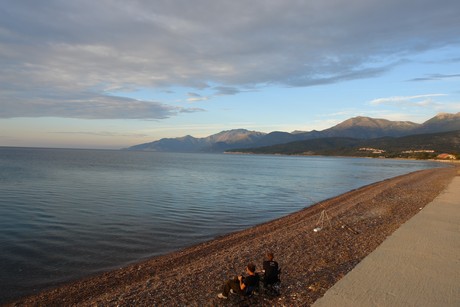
418, 265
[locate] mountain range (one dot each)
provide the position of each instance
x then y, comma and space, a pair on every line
360, 128
420, 146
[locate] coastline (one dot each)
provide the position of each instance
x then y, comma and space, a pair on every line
340, 156
311, 261
418, 265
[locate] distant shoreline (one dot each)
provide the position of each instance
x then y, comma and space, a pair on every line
312, 261
300, 155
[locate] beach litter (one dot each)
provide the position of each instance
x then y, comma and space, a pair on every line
323, 217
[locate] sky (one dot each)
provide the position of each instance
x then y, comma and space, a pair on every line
111, 74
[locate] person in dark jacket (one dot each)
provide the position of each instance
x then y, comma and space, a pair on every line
271, 270
240, 284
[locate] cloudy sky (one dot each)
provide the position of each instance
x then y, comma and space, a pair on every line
110, 74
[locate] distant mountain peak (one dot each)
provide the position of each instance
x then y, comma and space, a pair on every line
359, 127
187, 137
360, 121
443, 116
235, 135
369, 122
441, 122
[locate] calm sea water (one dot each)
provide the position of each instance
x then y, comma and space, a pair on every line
65, 214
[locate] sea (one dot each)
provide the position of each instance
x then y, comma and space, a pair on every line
70, 213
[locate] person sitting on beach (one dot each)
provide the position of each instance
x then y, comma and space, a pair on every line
271, 270
241, 285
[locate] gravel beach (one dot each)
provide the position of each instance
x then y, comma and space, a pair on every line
311, 261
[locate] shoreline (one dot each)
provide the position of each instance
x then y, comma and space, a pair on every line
339, 156
416, 266
311, 261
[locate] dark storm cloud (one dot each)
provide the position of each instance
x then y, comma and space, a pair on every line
51, 51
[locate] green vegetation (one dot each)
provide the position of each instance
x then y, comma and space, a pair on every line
421, 146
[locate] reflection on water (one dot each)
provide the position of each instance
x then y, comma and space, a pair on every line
65, 214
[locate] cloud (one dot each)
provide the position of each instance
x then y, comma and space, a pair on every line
339, 76
218, 91
193, 97
226, 90
436, 77
416, 100
103, 133
88, 106
68, 48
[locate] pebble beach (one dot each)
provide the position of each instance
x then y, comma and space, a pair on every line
348, 228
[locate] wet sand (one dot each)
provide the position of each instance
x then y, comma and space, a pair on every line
312, 262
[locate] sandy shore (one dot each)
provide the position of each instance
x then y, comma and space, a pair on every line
311, 261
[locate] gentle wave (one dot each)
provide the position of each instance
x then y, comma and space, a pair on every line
65, 214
